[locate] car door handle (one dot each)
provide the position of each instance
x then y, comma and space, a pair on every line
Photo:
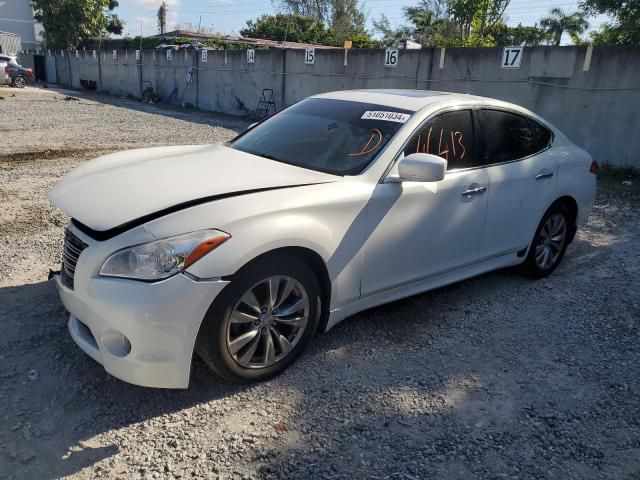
544, 174
474, 191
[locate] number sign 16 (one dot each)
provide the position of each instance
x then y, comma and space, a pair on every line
391, 57
310, 56
251, 56
511, 57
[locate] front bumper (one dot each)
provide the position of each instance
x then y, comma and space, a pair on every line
159, 321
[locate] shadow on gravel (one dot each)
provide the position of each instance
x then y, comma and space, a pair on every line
53, 397
494, 376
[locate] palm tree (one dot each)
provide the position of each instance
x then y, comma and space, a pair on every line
560, 21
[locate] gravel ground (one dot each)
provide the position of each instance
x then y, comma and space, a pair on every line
495, 377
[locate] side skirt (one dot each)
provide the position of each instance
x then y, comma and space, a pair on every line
421, 286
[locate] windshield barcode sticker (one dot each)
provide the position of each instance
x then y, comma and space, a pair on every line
388, 116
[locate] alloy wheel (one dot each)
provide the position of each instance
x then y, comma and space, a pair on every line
267, 322
19, 82
551, 240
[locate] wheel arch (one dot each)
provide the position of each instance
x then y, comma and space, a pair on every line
570, 203
317, 265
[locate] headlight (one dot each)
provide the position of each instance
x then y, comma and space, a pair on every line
162, 258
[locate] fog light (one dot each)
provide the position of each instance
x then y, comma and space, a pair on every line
115, 343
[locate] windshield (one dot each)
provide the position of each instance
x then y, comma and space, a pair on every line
333, 136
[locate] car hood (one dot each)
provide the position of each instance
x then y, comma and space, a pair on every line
120, 188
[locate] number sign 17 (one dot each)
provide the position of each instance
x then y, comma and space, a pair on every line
391, 57
511, 57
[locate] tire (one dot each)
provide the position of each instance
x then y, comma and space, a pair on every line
549, 242
19, 82
225, 325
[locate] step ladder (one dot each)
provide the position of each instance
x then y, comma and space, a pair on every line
265, 105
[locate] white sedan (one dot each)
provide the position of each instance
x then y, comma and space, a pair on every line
338, 203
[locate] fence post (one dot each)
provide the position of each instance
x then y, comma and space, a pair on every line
284, 75
99, 71
140, 67
69, 69
198, 54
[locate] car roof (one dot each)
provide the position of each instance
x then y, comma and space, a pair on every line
414, 100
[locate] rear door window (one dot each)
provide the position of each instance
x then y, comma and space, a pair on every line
504, 137
448, 135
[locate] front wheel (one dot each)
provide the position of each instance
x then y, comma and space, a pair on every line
549, 242
262, 321
19, 82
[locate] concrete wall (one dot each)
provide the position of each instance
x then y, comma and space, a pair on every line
595, 103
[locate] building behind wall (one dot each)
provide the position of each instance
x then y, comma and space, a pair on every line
16, 16
10, 43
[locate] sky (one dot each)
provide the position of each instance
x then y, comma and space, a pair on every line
229, 16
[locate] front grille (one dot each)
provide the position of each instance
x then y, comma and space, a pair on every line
73, 247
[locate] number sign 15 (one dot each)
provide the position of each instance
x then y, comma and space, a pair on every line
251, 56
391, 57
511, 57
310, 56
204, 55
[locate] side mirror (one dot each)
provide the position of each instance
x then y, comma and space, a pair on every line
422, 167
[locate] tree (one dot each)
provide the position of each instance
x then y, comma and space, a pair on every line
477, 18
560, 21
448, 23
392, 37
521, 35
162, 18
624, 29
319, 10
290, 27
67, 22
344, 17
347, 20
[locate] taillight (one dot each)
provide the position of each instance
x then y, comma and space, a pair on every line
6, 70
594, 167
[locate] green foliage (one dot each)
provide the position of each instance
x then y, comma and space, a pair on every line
319, 10
527, 36
446, 23
347, 20
560, 21
363, 40
300, 28
624, 29
293, 28
67, 22
344, 18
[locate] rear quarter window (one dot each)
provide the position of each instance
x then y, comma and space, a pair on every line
542, 135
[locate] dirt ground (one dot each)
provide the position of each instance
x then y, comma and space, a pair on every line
495, 377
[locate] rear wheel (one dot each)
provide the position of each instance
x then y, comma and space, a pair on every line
550, 242
19, 82
262, 321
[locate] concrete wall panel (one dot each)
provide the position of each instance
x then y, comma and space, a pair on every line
596, 107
